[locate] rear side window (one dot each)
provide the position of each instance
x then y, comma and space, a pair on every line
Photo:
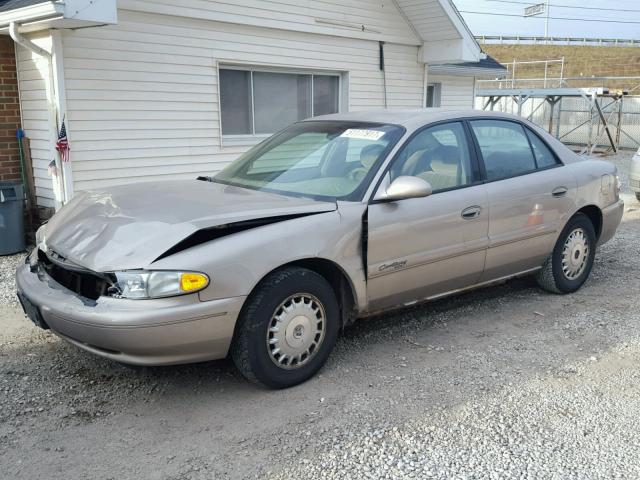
544, 156
504, 147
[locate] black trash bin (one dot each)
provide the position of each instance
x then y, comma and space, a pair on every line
11, 218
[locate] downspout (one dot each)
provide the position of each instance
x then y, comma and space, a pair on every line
26, 43
48, 56
384, 72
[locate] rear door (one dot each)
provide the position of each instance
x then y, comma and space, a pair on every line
422, 247
530, 193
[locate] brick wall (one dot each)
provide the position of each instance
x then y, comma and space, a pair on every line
9, 112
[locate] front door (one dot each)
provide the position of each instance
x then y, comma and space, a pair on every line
423, 247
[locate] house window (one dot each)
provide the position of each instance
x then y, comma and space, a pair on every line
433, 95
254, 102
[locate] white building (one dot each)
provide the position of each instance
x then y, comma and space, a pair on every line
161, 89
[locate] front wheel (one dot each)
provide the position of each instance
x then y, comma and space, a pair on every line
568, 267
638, 196
287, 328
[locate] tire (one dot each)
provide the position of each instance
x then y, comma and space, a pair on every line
558, 278
260, 354
638, 196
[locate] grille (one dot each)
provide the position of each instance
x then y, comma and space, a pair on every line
84, 283
634, 183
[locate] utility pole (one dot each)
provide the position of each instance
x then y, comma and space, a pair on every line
539, 9
546, 22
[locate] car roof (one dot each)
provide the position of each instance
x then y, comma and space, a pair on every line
413, 118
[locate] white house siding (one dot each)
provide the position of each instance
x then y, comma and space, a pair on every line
456, 91
142, 95
364, 19
404, 77
33, 75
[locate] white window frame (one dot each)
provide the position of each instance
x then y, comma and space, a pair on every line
254, 138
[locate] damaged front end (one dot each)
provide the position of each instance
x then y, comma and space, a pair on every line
82, 281
213, 233
133, 226
139, 283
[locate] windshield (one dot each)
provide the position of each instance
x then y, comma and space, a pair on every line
321, 159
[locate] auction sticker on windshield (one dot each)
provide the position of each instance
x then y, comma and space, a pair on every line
362, 134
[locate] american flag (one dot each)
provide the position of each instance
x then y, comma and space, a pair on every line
62, 145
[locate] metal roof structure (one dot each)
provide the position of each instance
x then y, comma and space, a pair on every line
604, 119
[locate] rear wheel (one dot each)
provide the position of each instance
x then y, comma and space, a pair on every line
568, 267
287, 329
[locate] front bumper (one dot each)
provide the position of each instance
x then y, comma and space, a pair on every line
611, 217
140, 332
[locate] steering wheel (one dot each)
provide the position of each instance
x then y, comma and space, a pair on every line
357, 174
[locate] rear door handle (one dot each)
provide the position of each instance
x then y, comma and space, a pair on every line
472, 212
559, 192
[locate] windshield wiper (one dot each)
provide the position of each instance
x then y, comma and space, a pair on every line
205, 179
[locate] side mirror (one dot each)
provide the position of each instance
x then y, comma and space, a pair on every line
405, 187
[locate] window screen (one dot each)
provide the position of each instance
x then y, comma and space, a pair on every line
235, 102
258, 102
325, 94
280, 99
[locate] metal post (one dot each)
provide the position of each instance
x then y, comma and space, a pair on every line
552, 104
589, 146
559, 118
619, 125
520, 101
546, 22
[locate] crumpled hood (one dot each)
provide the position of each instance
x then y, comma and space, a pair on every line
130, 226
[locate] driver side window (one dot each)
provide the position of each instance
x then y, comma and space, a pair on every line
439, 155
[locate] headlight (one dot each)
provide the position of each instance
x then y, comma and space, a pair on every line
139, 285
40, 234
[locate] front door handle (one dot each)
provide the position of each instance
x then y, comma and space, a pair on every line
559, 192
472, 212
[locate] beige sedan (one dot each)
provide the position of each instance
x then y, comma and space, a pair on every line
330, 220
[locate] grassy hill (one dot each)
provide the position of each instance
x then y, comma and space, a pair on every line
580, 61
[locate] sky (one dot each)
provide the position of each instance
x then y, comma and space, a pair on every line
494, 19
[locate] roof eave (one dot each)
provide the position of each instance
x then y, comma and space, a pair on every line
32, 13
60, 15
467, 71
463, 29
463, 49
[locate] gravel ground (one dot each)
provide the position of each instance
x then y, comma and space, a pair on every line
505, 382
8, 264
